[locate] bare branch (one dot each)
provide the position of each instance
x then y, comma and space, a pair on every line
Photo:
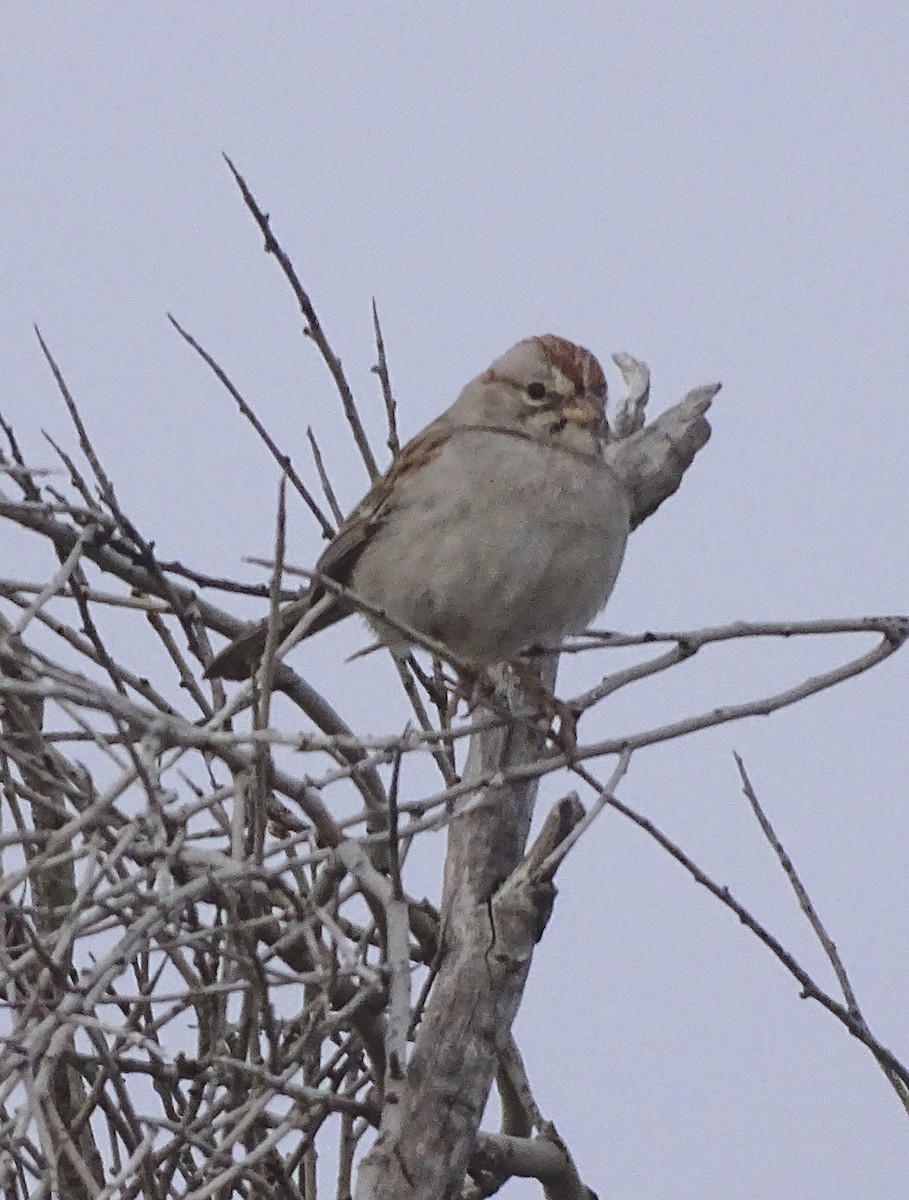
545, 1158
810, 989
492, 920
381, 369
211, 957
104, 484
652, 461
806, 905
283, 460
798, 887
628, 416
327, 489
313, 327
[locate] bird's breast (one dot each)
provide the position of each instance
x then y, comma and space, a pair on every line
500, 543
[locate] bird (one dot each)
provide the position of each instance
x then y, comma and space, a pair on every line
498, 529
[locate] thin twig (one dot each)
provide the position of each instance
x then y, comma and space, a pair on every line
381, 369
55, 587
283, 460
313, 327
327, 489
394, 856
104, 483
606, 794
810, 989
798, 887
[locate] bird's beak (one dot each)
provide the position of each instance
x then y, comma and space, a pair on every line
583, 412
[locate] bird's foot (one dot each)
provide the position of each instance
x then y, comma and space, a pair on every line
565, 733
474, 688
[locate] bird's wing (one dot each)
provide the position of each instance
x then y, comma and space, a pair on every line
239, 659
339, 557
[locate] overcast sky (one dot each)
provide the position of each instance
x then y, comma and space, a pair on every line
718, 188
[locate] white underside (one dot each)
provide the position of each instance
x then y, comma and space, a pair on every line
509, 543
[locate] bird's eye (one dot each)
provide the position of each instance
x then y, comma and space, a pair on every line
536, 391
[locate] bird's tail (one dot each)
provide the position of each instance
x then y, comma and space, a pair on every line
239, 658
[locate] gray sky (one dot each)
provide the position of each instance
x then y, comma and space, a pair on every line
719, 189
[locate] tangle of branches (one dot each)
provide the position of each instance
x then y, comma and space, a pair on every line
209, 956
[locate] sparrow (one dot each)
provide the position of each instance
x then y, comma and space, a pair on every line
498, 529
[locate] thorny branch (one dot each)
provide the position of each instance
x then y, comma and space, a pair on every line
313, 327
207, 970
